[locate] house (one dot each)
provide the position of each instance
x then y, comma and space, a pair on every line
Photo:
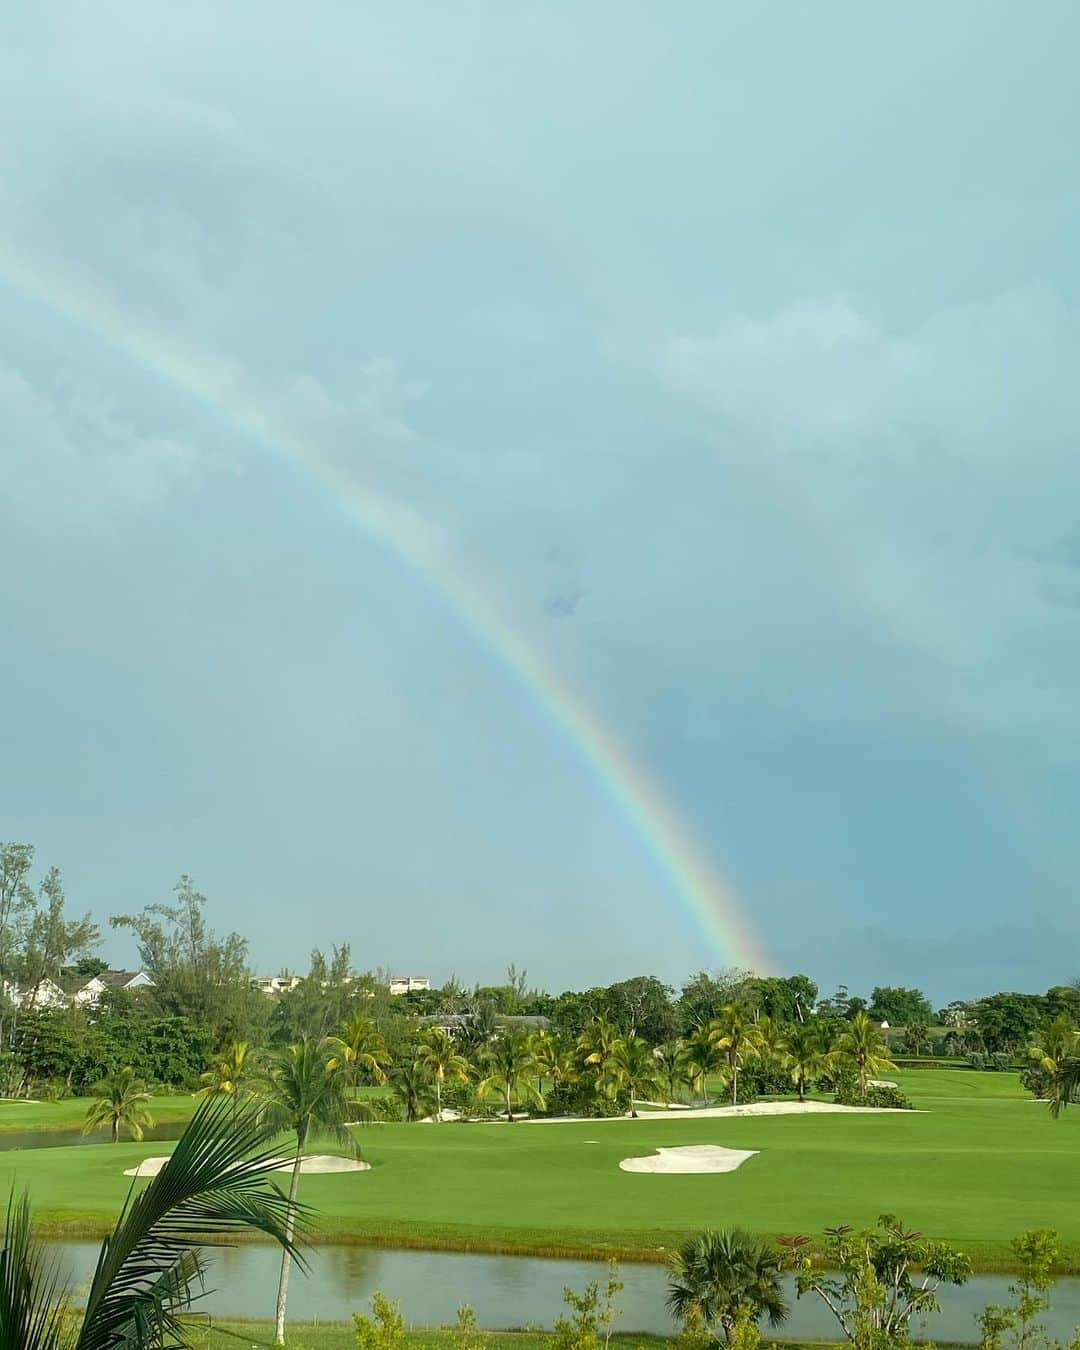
90, 993
46, 994
272, 985
408, 984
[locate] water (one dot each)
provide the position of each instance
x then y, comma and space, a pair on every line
515, 1291
66, 1138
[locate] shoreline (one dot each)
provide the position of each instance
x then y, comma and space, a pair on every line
992, 1259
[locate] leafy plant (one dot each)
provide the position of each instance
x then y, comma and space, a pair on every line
122, 1100
384, 1329
725, 1282
1036, 1253
592, 1314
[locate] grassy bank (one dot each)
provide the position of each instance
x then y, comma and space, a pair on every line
979, 1163
17, 1114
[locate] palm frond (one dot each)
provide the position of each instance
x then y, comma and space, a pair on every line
34, 1301
216, 1183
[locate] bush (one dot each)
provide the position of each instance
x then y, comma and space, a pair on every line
847, 1094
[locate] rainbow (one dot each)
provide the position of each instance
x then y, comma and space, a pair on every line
212, 381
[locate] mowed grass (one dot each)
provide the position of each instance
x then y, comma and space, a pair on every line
978, 1164
69, 1114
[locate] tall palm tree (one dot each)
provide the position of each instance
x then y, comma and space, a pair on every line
805, 1058
1055, 1052
861, 1047
737, 1039
701, 1058
151, 1266
304, 1095
122, 1100
510, 1069
633, 1066
411, 1086
721, 1279
438, 1057
360, 1049
230, 1073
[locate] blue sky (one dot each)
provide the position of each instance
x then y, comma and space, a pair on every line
734, 354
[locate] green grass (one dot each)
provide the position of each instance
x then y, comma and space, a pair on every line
978, 1164
70, 1113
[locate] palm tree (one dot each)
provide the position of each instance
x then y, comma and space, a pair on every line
737, 1038
412, 1088
701, 1058
916, 1037
1055, 1053
123, 1100
360, 1049
725, 1279
862, 1048
671, 1064
552, 1058
510, 1069
437, 1056
229, 1073
151, 1267
596, 1043
633, 1066
304, 1095
805, 1059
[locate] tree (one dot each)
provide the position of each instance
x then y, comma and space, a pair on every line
411, 1087
916, 1037
304, 1095
1035, 1255
597, 1043
151, 1267
785, 999
592, 1314
553, 1058
122, 1101
229, 1074
642, 1007
723, 1279
196, 974
703, 996
737, 1039
899, 1007
1054, 1053
633, 1066
439, 1059
510, 1070
1007, 1021
876, 1281
861, 1048
701, 1058
671, 1065
360, 1049
805, 1058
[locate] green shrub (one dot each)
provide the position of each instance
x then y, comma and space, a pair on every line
384, 1329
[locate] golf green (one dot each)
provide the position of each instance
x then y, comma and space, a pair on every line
979, 1162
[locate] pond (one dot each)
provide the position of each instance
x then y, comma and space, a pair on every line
514, 1291
39, 1138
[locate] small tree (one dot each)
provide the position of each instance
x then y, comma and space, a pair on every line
727, 1281
442, 1063
384, 1329
122, 1100
633, 1066
592, 1314
1036, 1253
874, 1282
738, 1039
701, 1058
510, 1068
861, 1048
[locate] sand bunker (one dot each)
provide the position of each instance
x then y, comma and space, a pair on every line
690, 1158
318, 1162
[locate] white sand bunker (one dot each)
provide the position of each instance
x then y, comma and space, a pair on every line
317, 1162
690, 1158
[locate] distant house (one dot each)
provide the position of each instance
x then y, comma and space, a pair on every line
90, 993
408, 984
46, 994
273, 985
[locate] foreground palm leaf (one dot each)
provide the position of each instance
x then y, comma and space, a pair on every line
149, 1270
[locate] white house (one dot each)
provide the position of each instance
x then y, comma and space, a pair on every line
272, 985
407, 984
90, 993
47, 994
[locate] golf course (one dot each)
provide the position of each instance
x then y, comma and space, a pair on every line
976, 1163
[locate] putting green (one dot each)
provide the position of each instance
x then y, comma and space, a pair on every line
979, 1163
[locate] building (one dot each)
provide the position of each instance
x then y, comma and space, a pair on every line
272, 985
46, 994
90, 993
408, 984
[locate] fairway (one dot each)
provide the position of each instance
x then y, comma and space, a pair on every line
980, 1162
